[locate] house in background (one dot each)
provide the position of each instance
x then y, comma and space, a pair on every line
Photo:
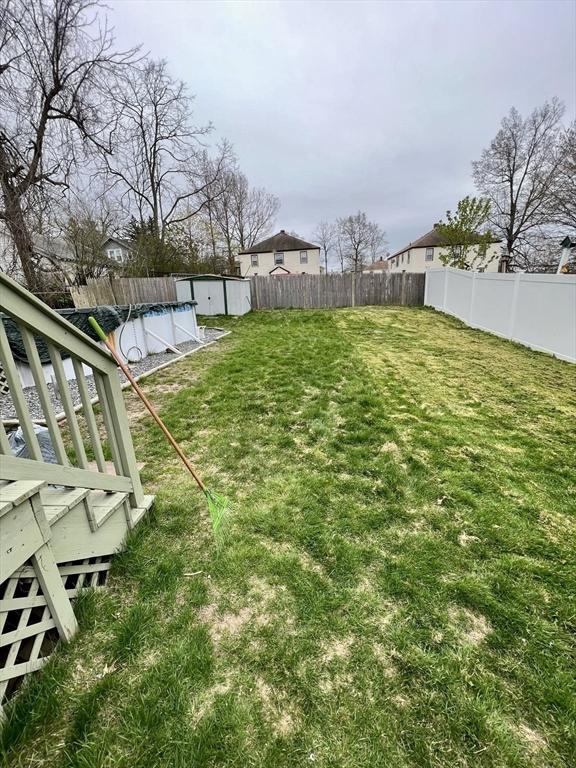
281, 254
117, 250
424, 253
380, 265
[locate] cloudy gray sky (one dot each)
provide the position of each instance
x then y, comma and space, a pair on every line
377, 106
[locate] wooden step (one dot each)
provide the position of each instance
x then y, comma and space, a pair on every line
58, 502
14, 493
101, 505
138, 513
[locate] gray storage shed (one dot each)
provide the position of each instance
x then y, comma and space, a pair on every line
215, 294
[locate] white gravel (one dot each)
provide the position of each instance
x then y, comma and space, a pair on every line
7, 410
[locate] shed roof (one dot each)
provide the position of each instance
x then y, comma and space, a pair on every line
281, 241
207, 276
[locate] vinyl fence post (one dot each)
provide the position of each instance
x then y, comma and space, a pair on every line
513, 306
445, 293
472, 299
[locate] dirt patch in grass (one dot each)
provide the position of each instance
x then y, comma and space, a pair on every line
472, 628
533, 740
304, 559
276, 708
258, 608
338, 649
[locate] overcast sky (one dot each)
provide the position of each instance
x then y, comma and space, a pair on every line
375, 106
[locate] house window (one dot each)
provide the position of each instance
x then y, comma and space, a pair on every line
408, 258
402, 259
279, 257
429, 254
254, 259
303, 257
115, 253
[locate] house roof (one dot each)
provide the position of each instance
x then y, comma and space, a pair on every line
429, 240
281, 270
380, 264
124, 243
280, 242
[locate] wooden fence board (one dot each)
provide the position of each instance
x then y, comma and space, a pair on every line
120, 291
336, 290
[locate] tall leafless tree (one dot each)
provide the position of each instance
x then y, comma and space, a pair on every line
254, 210
563, 210
359, 239
54, 57
518, 174
160, 163
325, 235
238, 214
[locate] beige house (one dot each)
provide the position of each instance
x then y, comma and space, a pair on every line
424, 253
281, 254
381, 265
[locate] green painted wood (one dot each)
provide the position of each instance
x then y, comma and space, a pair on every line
17, 395
54, 591
20, 537
68, 406
89, 415
44, 395
15, 493
68, 570
4, 444
102, 506
99, 380
115, 400
12, 468
41, 319
17, 670
24, 632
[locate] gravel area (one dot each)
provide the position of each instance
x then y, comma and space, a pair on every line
7, 410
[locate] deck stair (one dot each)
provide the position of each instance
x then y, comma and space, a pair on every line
60, 523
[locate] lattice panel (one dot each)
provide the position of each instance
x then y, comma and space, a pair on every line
28, 632
4, 386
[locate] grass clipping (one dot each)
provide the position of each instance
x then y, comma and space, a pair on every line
220, 511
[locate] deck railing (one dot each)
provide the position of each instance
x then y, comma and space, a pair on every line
36, 321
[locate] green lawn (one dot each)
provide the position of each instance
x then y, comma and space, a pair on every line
397, 587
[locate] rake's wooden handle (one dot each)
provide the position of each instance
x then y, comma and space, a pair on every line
135, 386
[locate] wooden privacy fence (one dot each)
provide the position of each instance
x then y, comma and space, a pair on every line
106, 291
336, 290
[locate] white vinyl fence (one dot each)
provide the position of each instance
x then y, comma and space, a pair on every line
538, 311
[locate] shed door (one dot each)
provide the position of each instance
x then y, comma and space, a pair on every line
210, 297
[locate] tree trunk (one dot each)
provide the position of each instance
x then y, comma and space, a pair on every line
21, 236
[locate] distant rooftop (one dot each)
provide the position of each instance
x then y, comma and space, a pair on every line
429, 240
280, 242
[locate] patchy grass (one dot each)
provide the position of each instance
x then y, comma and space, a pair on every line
397, 585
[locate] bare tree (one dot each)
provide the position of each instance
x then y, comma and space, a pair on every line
564, 191
254, 210
160, 163
238, 214
518, 173
325, 235
377, 242
84, 222
54, 57
359, 237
